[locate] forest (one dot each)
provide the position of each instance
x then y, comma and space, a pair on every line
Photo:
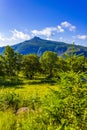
52, 88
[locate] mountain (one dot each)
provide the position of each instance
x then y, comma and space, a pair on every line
37, 46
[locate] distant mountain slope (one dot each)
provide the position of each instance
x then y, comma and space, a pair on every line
38, 46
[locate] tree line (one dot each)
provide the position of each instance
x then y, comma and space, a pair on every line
49, 64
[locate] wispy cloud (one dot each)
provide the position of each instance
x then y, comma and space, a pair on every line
68, 25
16, 36
60, 29
82, 37
19, 35
2, 38
49, 31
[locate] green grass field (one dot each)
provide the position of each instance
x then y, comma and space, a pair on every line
29, 93
52, 105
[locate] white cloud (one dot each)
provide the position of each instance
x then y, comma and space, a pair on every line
65, 24
68, 25
72, 28
49, 31
16, 37
60, 29
19, 35
49, 39
82, 37
2, 38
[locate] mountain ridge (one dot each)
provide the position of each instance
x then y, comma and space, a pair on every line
37, 46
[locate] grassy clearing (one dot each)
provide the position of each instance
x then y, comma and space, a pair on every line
30, 87
30, 94
53, 105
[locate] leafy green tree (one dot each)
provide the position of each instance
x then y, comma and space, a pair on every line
62, 64
18, 60
2, 71
77, 63
11, 61
48, 62
31, 65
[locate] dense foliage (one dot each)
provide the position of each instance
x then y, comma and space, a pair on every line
54, 89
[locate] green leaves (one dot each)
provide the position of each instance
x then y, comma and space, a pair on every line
67, 107
31, 65
48, 62
12, 61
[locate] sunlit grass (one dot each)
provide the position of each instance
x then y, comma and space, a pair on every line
30, 87
43, 104
24, 94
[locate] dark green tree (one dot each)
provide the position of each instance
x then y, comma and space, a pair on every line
77, 63
2, 67
18, 60
10, 61
48, 62
31, 65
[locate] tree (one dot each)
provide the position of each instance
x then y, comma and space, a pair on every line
30, 65
77, 63
18, 60
48, 62
10, 61
2, 71
62, 64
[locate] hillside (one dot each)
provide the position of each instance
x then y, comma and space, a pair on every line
38, 46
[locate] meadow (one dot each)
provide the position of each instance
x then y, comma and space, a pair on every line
29, 93
53, 104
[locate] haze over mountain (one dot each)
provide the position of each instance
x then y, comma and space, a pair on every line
37, 46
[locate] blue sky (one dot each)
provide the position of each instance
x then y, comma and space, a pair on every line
59, 20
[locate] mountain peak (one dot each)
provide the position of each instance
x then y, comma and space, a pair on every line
38, 46
36, 38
